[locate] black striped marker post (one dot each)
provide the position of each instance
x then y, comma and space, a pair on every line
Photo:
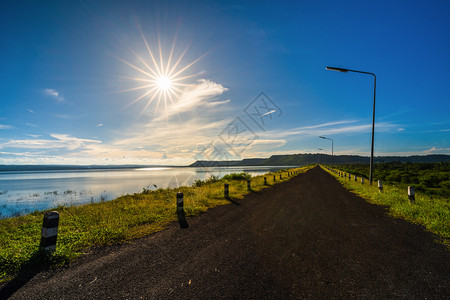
49, 231
226, 191
411, 194
274, 179
180, 203
248, 185
380, 185
362, 180
180, 212
265, 181
281, 177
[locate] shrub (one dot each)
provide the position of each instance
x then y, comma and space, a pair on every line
237, 176
211, 179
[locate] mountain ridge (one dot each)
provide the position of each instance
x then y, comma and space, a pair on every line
303, 159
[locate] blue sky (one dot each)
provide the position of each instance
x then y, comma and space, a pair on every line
76, 79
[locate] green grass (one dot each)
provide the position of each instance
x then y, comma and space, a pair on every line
431, 211
113, 222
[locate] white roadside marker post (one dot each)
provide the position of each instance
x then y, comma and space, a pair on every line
180, 203
49, 231
180, 212
380, 186
226, 191
411, 194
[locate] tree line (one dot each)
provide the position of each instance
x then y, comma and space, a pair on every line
431, 178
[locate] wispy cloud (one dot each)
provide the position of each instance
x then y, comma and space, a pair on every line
99, 125
34, 135
54, 94
59, 141
423, 151
30, 110
330, 128
5, 126
63, 116
194, 96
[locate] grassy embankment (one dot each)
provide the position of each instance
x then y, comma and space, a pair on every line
113, 222
431, 211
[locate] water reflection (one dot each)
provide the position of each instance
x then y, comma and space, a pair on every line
27, 191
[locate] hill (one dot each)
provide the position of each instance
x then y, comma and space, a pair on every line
305, 159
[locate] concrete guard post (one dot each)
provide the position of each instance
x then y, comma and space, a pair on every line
226, 190
380, 185
411, 194
49, 231
180, 203
180, 212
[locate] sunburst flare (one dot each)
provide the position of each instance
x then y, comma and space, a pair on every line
160, 78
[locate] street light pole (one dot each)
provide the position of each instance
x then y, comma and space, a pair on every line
373, 113
318, 157
332, 148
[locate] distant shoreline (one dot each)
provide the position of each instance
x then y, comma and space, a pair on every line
12, 168
274, 160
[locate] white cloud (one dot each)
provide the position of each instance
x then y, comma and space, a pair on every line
54, 94
30, 110
330, 128
60, 141
63, 116
194, 96
5, 126
435, 150
432, 150
34, 135
99, 125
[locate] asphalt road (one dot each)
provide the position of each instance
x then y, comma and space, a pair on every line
306, 238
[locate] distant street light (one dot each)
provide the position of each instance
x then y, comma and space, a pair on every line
332, 150
318, 155
373, 116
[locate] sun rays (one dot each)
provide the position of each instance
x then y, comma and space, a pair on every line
160, 78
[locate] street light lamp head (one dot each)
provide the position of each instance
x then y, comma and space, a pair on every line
337, 69
322, 137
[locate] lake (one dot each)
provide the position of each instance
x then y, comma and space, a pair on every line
22, 192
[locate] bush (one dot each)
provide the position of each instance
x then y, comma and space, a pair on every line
211, 179
237, 176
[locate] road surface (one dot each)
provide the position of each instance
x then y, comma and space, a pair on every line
306, 238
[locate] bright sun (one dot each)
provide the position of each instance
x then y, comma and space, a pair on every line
164, 83
160, 78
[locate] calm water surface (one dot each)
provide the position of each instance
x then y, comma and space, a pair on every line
27, 191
